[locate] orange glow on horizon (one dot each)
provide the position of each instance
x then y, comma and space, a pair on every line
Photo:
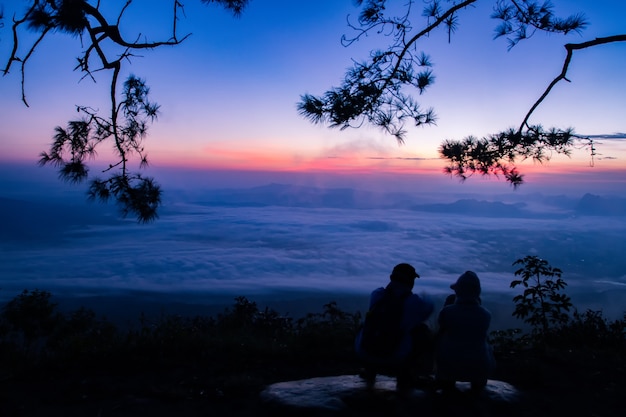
269, 160
250, 159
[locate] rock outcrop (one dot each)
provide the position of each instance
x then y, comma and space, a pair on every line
348, 395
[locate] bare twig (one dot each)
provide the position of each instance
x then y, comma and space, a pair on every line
570, 48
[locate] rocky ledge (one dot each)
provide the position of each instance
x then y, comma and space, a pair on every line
348, 395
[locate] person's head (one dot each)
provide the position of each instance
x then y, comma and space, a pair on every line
405, 274
467, 285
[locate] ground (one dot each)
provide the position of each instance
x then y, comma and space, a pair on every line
568, 383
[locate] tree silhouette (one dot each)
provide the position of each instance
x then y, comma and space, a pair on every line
379, 90
130, 112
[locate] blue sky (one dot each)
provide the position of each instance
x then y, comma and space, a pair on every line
228, 94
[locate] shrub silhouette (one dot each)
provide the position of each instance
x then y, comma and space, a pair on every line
244, 340
30, 318
330, 332
591, 329
542, 305
82, 334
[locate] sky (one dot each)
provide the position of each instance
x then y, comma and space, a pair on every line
258, 199
228, 93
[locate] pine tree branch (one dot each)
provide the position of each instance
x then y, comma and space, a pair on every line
570, 48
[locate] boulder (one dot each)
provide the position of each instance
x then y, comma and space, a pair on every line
348, 395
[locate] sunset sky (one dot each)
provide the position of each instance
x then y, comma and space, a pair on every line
257, 199
228, 94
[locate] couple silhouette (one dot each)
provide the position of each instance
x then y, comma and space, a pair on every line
396, 339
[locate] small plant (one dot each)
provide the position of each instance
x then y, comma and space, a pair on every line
542, 305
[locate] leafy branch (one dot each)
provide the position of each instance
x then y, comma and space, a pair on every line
496, 154
77, 143
130, 112
373, 91
378, 91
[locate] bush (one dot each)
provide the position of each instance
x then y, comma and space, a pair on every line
81, 334
243, 336
546, 308
591, 329
509, 342
542, 305
29, 320
330, 332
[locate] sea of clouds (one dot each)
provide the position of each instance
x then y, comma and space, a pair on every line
284, 240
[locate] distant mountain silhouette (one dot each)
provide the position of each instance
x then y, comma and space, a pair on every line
284, 195
477, 208
312, 197
298, 196
594, 205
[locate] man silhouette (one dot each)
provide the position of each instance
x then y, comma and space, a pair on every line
412, 353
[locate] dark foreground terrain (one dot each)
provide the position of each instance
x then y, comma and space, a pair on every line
76, 364
558, 384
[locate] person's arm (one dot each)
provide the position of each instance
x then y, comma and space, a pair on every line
375, 296
451, 299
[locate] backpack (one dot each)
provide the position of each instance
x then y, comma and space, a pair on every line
382, 331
